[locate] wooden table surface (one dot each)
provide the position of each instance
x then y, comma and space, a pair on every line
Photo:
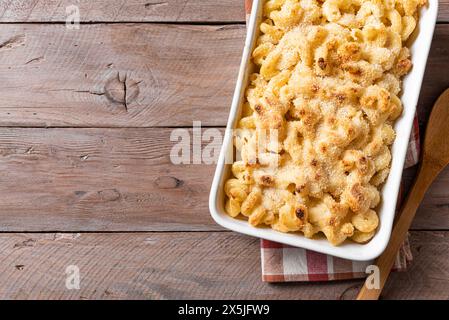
86, 178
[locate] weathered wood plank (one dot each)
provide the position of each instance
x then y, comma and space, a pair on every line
435, 79
129, 75
433, 214
434, 210
119, 10
443, 10
120, 180
428, 276
220, 265
99, 179
173, 74
138, 11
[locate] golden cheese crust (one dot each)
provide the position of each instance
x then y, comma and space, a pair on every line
316, 128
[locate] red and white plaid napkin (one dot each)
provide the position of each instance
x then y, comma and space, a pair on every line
282, 263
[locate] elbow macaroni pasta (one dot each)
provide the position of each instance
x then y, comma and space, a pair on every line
329, 75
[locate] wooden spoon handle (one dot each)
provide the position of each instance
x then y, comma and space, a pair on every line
385, 262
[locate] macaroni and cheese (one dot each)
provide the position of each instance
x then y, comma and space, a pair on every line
317, 123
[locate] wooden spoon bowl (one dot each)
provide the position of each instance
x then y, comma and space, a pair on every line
435, 158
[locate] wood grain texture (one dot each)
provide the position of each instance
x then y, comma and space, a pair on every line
434, 210
196, 265
138, 11
133, 75
443, 10
435, 79
99, 179
173, 75
120, 11
69, 179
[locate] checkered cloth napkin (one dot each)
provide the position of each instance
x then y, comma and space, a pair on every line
282, 263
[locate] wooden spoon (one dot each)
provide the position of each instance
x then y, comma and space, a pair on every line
435, 158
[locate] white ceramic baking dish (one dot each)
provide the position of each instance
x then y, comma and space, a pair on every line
411, 88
